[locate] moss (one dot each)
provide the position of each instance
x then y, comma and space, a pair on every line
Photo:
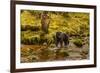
78, 42
65, 54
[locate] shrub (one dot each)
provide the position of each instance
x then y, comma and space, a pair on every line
24, 40
42, 38
30, 40
25, 27
78, 42
34, 28
49, 39
29, 27
35, 39
63, 53
46, 38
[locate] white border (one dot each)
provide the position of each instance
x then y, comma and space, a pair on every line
55, 63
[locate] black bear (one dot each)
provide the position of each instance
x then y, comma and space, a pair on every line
61, 39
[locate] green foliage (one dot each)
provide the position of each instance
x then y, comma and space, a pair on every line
72, 23
28, 39
78, 42
48, 38
64, 53
27, 18
30, 27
